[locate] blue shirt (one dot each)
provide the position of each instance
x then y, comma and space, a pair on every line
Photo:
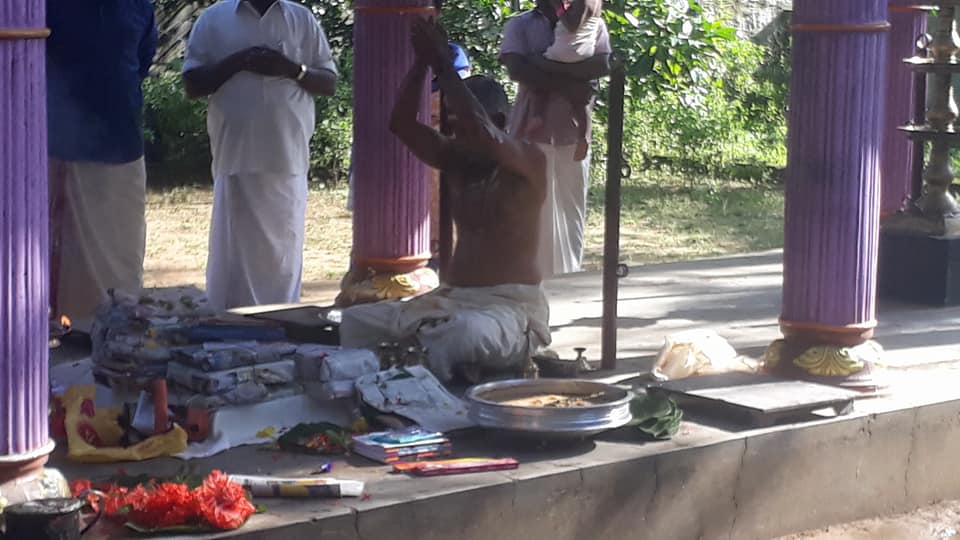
98, 54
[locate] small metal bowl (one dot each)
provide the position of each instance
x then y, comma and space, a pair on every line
486, 408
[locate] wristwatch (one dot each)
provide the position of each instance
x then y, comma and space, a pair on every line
302, 73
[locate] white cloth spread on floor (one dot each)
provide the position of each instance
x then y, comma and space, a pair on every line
256, 240
496, 328
102, 233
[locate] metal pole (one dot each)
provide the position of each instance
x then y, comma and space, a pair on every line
611, 236
445, 237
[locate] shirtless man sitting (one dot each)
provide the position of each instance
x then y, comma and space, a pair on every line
491, 314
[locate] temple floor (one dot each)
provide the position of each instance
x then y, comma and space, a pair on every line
713, 480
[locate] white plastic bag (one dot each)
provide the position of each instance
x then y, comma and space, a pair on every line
696, 352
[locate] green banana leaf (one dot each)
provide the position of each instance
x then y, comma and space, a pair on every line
656, 417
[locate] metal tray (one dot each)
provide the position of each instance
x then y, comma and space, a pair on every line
486, 408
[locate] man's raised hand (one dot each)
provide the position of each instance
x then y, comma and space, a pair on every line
430, 43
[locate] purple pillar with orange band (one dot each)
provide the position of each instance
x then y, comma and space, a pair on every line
834, 142
392, 191
24, 330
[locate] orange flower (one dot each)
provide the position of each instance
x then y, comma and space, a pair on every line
223, 503
79, 486
116, 501
164, 505
219, 503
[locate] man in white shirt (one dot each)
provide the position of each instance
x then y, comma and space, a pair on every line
558, 90
260, 62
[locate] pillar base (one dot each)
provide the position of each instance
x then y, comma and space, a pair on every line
363, 287
32, 484
852, 367
920, 260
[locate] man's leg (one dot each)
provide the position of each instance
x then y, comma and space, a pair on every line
572, 179
103, 234
256, 240
476, 340
548, 217
366, 326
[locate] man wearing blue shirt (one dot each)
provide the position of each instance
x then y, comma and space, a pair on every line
98, 54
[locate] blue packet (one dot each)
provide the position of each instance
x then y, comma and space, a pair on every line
404, 436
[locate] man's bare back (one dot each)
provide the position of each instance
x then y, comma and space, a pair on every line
497, 182
497, 215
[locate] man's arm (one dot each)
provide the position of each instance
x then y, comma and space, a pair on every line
479, 131
514, 53
203, 74
270, 63
148, 44
426, 143
319, 82
525, 71
591, 69
531, 69
321, 77
205, 80
522, 70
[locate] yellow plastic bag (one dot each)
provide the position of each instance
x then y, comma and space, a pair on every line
93, 434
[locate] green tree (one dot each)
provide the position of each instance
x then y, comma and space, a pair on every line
668, 46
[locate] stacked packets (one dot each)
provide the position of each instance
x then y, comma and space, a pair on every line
411, 444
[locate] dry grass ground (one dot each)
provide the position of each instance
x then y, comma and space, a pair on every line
937, 522
663, 220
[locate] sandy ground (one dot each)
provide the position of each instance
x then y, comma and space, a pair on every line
178, 226
937, 522
660, 222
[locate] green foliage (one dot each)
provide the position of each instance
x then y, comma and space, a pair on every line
175, 128
699, 100
477, 25
775, 67
667, 45
732, 125
333, 138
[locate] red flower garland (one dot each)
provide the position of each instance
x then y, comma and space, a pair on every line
218, 503
223, 503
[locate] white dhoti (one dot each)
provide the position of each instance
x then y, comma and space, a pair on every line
490, 328
98, 234
256, 240
564, 211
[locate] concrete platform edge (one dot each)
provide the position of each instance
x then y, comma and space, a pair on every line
759, 486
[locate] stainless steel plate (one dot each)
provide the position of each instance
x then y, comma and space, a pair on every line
486, 407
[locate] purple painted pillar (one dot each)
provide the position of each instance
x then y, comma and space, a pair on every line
23, 238
908, 22
391, 219
832, 186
